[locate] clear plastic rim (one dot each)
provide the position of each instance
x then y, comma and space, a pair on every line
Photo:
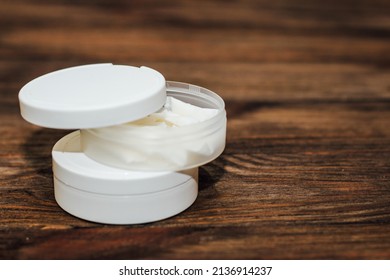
198, 130
154, 148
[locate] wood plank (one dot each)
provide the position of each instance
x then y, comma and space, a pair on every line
306, 170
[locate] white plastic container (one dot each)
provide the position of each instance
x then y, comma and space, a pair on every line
99, 193
112, 172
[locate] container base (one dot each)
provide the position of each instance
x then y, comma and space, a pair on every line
125, 209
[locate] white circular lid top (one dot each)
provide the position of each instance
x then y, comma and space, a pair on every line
92, 96
75, 169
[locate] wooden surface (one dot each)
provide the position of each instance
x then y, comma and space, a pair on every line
306, 170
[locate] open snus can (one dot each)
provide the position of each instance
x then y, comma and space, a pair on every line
138, 143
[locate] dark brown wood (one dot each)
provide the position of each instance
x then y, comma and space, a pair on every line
306, 170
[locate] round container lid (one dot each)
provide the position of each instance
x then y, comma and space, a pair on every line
72, 167
92, 96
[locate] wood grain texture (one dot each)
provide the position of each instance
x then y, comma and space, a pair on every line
306, 170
